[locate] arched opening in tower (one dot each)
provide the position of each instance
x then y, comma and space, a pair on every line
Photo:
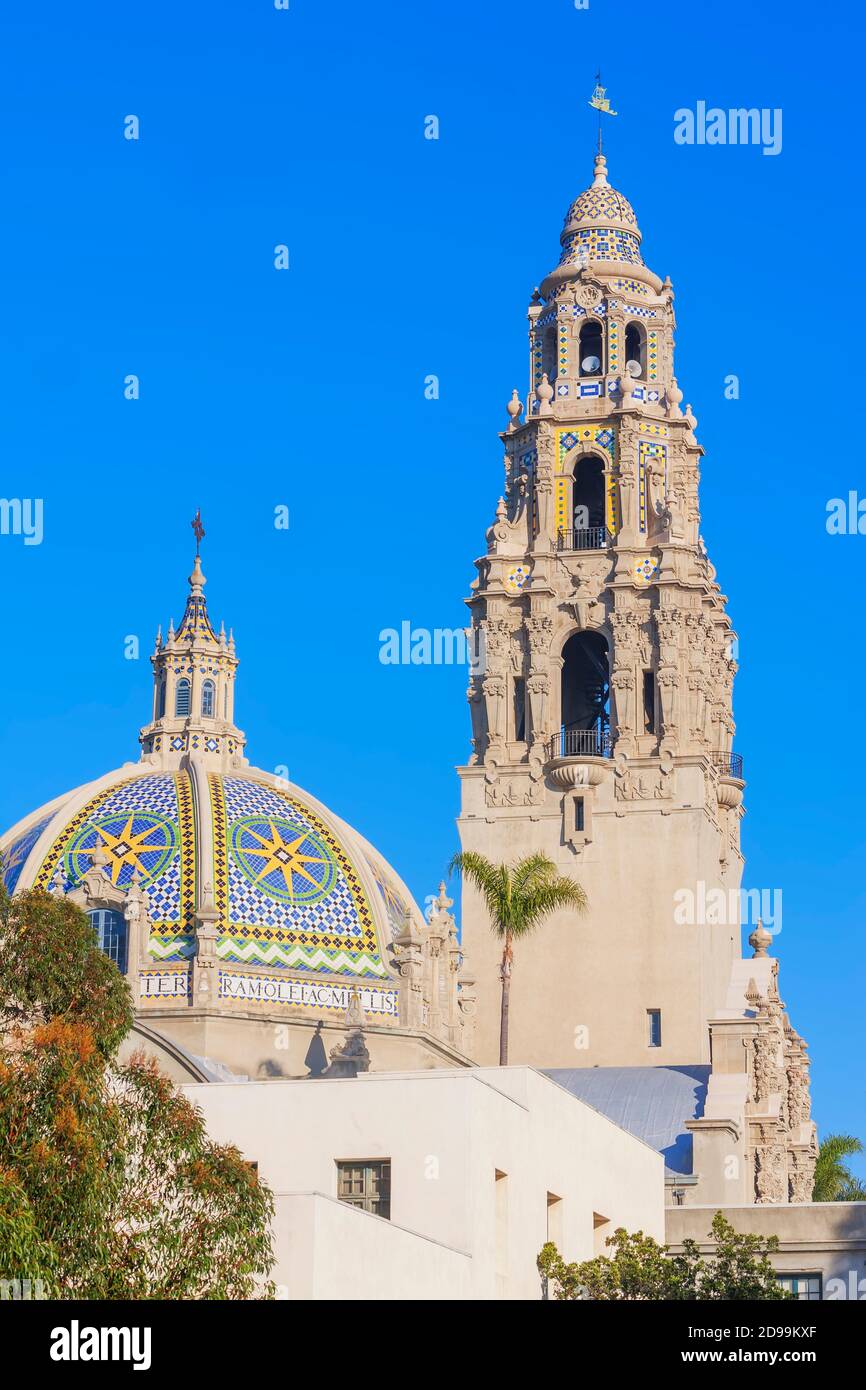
549, 351
587, 496
591, 348
635, 350
585, 695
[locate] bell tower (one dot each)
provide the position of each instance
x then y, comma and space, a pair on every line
602, 724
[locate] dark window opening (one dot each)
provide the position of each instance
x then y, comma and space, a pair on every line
591, 348
366, 1183
110, 928
649, 702
520, 709
208, 699
578, 814
585, 695
160, 699
635, 350
654, 1027
549, 353
587, 493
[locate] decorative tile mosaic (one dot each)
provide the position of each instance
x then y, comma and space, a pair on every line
145, 825
305, 994
613, 340
644, 571
652, 355
632, 287
648, 449
599, 204
604, 437
164, 984
516, 579
396, 905
284, 887
601, 244
16, 856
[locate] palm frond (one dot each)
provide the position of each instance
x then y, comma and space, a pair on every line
492, 881
543, 899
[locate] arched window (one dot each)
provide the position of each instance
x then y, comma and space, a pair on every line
182, 696
635, 350
585, 696
591, 348
587, 495
550, 361
110, 928
160, 699
208, 699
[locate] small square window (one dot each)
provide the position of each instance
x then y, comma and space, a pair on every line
805, 1287
366, 1183
654, 1027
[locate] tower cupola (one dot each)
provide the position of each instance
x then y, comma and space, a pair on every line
193, 684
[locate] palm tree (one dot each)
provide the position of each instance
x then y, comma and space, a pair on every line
834, 1181
518, 898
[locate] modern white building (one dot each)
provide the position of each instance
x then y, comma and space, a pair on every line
437, 1184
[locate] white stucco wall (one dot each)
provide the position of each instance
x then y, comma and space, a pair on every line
447, 1133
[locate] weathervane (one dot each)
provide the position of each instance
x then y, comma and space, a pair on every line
599, 102
198, 530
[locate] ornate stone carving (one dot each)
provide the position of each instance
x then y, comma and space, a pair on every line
770, 1174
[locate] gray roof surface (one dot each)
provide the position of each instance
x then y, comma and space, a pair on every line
653, 1103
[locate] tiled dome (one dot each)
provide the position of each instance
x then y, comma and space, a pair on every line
601, 224
294, 886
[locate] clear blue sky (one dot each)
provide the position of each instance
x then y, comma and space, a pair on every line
305, 388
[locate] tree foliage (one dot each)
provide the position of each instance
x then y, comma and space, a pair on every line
639, 1269
109, 1184
834, 1181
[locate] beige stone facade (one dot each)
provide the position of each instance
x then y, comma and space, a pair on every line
602, 717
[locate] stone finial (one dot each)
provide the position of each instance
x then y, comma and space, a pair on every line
158, 643
753, 994
197, 580
544, 392
58, 882
691, 419
600, 172
514, 408
674, 396
759, 940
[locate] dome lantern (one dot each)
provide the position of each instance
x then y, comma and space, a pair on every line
193, 686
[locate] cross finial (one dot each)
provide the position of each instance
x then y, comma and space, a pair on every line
198, 530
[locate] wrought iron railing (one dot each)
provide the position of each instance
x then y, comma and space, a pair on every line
729, 764
572, 742
584, 538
